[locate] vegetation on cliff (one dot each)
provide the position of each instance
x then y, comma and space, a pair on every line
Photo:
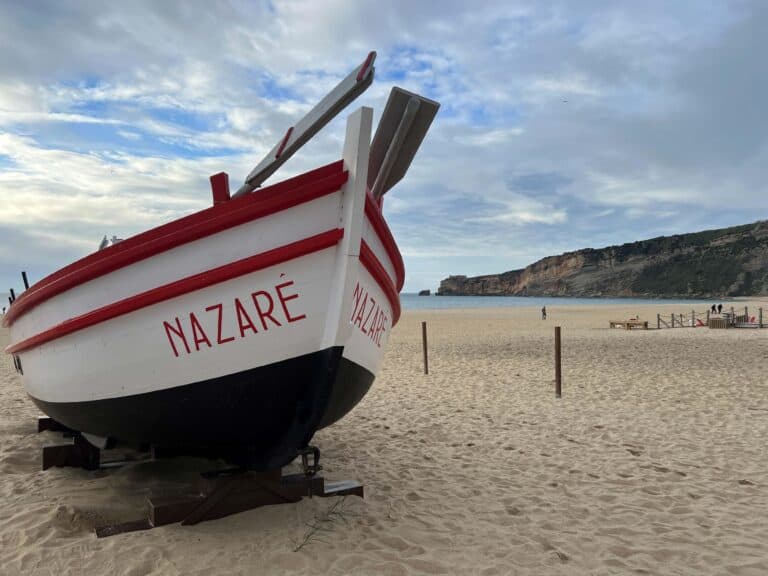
713, 263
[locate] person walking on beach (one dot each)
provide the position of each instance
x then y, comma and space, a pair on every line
543, 312
719, 308
714, 309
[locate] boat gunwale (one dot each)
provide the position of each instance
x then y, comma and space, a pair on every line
375, 268
217, 275
280, 196
379, 224
181, 287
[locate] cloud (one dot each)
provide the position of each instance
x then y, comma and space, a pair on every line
562, 126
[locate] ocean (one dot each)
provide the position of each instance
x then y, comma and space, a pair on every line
415, 302
412, 301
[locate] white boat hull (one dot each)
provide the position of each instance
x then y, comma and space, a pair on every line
238, 331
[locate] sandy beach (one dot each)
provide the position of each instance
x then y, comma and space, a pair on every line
653, 462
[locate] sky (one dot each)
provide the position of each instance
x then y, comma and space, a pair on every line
564, 125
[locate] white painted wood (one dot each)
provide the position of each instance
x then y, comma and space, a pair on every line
373, 241
251, 238
360, 347
356, 147
131, 354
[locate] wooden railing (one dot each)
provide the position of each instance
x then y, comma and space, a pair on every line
695, 319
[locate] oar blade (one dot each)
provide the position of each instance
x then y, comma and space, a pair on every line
399, 159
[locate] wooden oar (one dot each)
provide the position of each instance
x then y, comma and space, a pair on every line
296, 136
403, 125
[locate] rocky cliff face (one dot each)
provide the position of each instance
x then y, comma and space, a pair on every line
713, 263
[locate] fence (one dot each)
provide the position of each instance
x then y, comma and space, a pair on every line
701, 319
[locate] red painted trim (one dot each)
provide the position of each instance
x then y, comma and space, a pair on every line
270, 200
376, 218
372, 264
366, 65
284, 142
183, 286
220, 187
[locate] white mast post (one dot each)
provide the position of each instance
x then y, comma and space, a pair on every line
356, 151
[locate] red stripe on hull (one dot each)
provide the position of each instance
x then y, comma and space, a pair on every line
183, 286
375, 268
284, 142
365, 67
376, 218
270, 200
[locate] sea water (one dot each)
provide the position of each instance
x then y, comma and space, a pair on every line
412, 301
416, 302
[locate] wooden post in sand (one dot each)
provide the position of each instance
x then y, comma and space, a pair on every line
760, 317
558, 373
693, 319
673, 320
707, 317
424, 345
746, 314
658, 321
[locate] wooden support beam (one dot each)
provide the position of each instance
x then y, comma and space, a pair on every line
45, 423
558, 371
226, 492
76, 454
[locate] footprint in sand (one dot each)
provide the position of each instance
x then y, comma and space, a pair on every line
562, 556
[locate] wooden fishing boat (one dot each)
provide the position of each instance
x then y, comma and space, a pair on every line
242, 329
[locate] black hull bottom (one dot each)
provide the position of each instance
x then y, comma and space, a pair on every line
259, 418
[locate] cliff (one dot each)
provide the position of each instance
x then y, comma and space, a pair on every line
714, 263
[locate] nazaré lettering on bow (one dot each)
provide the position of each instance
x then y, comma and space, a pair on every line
369, 317
233, 320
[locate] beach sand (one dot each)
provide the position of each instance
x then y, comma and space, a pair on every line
653, 462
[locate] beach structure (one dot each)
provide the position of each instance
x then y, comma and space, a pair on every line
628, 324
726, 319
240, 330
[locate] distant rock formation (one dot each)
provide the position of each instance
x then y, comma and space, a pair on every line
424, 292
714, 263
